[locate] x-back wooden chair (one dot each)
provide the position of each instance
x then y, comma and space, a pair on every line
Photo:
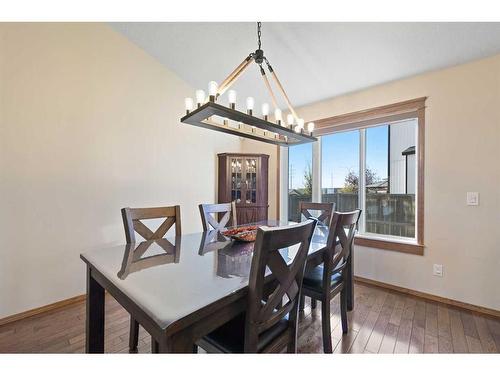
211, 212
326, 210
270, 325
325, 281
132, 223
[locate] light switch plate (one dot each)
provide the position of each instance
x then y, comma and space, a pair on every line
472, 198
437, 270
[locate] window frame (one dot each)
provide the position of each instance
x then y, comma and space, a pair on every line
363, 119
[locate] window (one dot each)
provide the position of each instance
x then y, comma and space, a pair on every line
299, 178
384, 146
389, 176
389, 192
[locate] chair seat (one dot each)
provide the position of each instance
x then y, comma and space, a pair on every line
230, 337
313, 279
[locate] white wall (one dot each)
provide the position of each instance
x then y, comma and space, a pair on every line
89, 123
462, 153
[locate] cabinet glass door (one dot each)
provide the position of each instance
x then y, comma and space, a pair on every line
236, 179
251, 180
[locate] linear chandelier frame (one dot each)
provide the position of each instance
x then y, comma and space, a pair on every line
270, 132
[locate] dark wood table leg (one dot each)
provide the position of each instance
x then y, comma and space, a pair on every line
94, 326
155, 347
350, 282
133, 339
182, 342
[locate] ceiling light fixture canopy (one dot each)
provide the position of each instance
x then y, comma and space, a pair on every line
211, 115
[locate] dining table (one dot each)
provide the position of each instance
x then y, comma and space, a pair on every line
181, 288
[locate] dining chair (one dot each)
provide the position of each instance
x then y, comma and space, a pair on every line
132, 223
210, 212
310, 210
325, 210
268, 325
326, 280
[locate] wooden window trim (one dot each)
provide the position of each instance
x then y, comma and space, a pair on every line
401, 247
369, 117
414, 108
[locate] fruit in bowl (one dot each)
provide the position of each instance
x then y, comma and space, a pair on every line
246, 233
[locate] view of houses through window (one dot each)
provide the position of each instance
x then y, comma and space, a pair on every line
387, 155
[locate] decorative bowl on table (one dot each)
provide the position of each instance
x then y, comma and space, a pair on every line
246, 233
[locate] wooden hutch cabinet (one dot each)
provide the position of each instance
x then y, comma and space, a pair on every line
244, 178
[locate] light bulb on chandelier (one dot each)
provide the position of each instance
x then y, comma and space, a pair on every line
310, 127
200, 98
212, 90
277, 116
250, 104
189, 105
231, 96
265, 110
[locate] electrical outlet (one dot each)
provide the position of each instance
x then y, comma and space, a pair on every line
437, 270
472, 198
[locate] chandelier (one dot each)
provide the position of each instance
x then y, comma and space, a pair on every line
211, 115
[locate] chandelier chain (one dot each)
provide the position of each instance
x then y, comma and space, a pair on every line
259, 33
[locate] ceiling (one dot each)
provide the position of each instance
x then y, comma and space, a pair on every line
314, 61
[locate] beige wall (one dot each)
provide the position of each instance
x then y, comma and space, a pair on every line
462, 147
88, 124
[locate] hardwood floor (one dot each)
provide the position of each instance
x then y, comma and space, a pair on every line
383, 322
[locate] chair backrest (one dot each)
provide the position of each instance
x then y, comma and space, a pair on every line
339, 244
210, 213
287, 280
326, 210
132, 222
